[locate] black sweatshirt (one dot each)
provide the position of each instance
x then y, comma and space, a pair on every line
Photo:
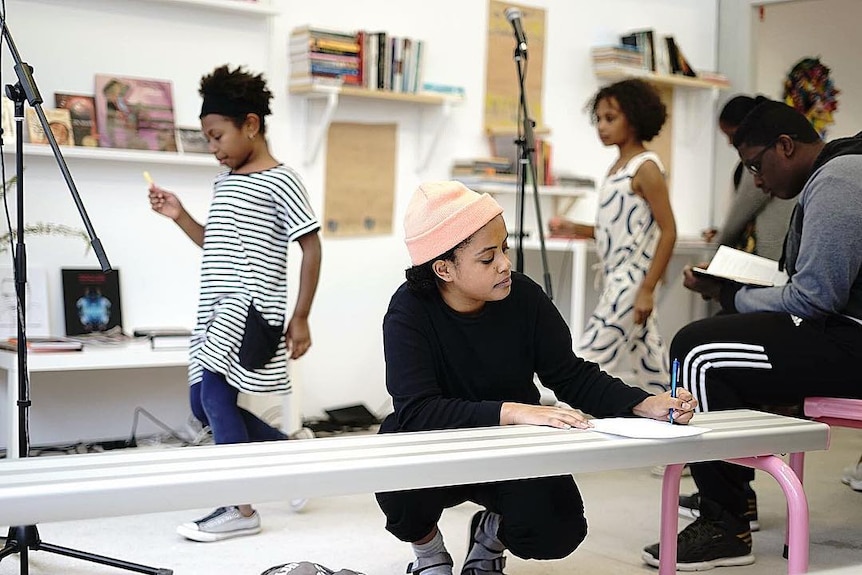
448, 370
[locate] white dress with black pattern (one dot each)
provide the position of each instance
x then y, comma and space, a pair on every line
626, 238
252, 220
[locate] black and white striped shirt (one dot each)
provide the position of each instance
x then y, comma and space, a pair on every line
252, 220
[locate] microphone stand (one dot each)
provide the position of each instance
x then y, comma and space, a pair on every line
24, 538
527, 167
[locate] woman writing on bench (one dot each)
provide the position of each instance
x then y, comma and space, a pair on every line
463, 338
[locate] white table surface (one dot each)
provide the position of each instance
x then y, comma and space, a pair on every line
133, 355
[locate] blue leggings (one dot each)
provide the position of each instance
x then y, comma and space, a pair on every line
213, 403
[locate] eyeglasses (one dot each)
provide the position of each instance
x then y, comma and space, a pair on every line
753, 165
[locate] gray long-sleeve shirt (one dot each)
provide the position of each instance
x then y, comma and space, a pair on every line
824, 243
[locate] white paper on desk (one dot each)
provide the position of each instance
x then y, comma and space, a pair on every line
642, 428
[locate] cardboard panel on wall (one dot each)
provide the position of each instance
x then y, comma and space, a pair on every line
360, 179
502, 90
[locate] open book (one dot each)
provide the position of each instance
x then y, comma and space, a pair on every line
743, 267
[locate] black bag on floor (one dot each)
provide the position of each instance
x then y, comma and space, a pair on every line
259, 340
306, 568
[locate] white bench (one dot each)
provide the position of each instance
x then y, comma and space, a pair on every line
47, 489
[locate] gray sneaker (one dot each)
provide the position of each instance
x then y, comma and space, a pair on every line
852, 476
223, 523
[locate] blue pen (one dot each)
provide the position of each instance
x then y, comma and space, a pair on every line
674, 374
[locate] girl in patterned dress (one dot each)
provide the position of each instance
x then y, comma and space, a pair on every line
635, 233
258, 207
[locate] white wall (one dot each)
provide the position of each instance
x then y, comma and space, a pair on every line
790, 31
159, 265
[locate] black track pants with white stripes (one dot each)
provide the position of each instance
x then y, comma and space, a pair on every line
749, 360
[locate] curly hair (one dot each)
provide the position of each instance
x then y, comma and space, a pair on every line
422, 278
242, 87
639, 101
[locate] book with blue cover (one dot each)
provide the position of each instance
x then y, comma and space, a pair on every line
91, 301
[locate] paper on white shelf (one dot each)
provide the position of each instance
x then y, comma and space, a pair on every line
642, 428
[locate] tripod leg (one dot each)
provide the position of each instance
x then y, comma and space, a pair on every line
101, 559
22, 539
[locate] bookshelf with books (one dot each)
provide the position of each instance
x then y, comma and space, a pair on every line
326, 65
658, 59
375, 61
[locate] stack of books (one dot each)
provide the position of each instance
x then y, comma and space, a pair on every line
324, 57
493, 168
43, 344
615, 56
371, 60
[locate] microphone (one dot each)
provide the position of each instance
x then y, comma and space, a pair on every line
513, 15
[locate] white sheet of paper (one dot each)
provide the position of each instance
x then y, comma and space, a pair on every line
744, 268
642, 428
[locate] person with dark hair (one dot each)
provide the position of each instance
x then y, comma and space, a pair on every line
776, 345
463, 339
756, 222
243, 338
635, 234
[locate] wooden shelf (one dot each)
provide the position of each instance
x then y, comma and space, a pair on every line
332, 94
555, 191
495, 131
323, 91
621, 72
262, 7
117, 155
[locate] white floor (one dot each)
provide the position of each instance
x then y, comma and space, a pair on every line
347, 532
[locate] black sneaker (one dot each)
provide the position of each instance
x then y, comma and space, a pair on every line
708, 543
689, 508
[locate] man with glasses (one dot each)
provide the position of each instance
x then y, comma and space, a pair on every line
776, 345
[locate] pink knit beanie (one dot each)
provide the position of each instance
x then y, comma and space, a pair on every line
441, 215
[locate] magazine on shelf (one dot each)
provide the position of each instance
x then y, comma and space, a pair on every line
60, 122
192, 141
91, 301
742, 267
135, 113
82, 109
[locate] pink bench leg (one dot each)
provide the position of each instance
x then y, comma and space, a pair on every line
797, 512
669, 519
797, 464
797, 508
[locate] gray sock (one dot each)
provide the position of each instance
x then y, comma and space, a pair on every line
432, 557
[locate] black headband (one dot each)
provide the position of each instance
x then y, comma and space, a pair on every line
230, 107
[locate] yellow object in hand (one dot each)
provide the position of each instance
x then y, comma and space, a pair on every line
148, 177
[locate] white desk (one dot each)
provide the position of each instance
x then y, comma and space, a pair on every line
95, 383
132, 356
